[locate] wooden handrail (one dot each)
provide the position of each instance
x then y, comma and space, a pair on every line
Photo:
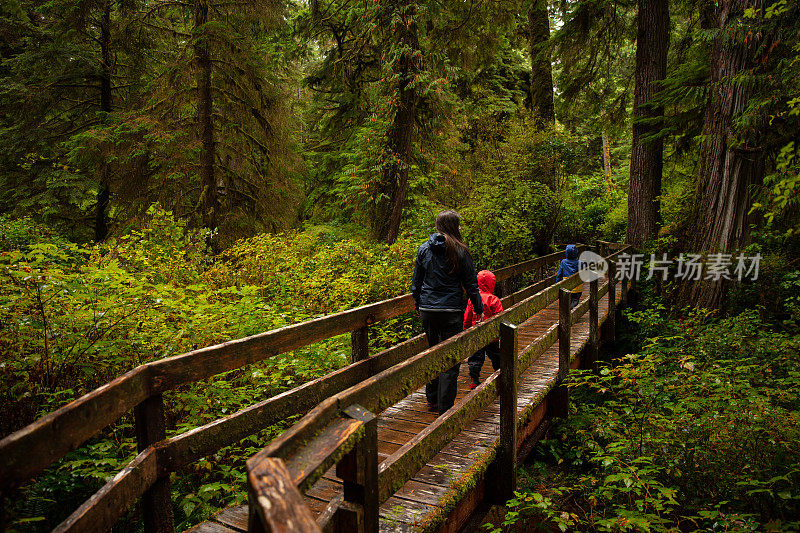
278, 505
27, 452
30, 450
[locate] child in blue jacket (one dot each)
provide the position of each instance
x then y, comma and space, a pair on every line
568, 267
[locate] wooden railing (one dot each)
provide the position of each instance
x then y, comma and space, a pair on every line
332, 430
29, 451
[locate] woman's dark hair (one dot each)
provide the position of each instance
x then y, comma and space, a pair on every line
447, 223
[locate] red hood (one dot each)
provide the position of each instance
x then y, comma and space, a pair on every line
486, 281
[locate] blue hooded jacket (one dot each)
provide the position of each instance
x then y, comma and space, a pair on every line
434, 287
569, 266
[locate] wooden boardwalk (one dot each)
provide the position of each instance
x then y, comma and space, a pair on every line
445, 492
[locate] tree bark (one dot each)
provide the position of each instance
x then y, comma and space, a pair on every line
541, 89
205, 122
729, 165
103, 192
607, 161
652, 41
400, 134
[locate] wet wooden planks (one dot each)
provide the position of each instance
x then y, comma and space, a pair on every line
422, 497
230, 520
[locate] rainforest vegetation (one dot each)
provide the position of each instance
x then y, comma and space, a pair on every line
175, 174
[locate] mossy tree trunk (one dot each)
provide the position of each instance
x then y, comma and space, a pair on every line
652, 41
730, 164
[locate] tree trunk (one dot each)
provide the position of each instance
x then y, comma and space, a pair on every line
729, 165
400, 134
607, 162
541, 89
103, 192
652, 41
205, 121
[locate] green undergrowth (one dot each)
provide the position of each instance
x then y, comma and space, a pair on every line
697, 430
74, 317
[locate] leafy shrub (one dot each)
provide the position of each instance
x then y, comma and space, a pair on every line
698, 431
74, 317
516, 201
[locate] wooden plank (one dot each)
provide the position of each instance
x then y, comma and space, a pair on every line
233, 517
316, 505
327, 519
27, 452
397, 511
417, 491
406, 461
424, 418
325, 489
107, 505
394, 436
399, 424
200, 364
278, 505
212, 527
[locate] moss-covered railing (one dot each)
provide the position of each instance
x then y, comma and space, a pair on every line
28, 452
328, 433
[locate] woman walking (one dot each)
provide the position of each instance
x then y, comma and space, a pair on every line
442, 269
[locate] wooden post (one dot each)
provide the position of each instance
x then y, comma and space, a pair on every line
558, 403
625, 283
359, 342
359, 471
507, 454
506, 287
594, 319
564, 329
157, 500
611, 326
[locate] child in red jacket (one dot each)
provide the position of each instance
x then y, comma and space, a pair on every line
491, 306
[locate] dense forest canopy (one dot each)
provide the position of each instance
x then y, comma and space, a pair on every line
174, 174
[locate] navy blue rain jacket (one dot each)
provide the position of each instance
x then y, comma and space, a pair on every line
433, 286
569, 266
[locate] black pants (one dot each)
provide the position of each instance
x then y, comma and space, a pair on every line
476, 360
441, 325
574, 299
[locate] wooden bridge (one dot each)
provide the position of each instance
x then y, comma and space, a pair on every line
367, 455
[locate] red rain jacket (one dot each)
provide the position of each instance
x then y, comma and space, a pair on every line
491, 303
